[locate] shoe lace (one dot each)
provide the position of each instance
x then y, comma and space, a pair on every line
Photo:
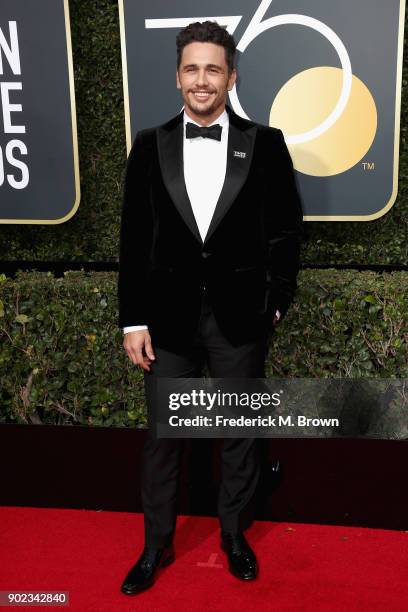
149, 556
238, 544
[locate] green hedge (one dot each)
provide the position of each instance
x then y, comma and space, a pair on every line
62, 359
92, 234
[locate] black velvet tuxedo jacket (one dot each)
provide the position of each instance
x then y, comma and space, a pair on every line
249, 259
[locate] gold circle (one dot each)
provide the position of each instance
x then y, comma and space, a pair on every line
305, 101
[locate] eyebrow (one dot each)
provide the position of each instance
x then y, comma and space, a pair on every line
207, 66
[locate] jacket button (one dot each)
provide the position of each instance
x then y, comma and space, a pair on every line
205, 254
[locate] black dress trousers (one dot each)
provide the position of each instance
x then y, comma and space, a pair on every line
161, 456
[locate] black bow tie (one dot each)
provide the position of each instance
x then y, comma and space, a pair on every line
212, 131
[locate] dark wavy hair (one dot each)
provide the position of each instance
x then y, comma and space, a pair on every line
207, 31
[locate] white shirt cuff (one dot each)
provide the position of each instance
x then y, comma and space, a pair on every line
131, 328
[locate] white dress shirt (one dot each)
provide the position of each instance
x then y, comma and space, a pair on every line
205, 164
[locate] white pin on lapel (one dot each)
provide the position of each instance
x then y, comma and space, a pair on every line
240, 154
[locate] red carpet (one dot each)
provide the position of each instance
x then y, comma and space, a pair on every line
302, 567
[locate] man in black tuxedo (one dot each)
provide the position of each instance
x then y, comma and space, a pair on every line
209, 254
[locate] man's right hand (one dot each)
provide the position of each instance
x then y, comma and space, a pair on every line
138, 346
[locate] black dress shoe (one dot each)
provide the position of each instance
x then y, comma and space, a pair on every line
241, 558
142, 574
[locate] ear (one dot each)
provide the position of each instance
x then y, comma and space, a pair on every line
232, 78
178, 80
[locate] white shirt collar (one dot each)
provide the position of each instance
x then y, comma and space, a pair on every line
223, 119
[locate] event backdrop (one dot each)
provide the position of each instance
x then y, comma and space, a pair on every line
39, 174
92, 233
327, 73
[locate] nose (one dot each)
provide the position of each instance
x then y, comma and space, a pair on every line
202, 78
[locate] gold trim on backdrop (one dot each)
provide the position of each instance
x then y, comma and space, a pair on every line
397, 122
74, 136
125, 75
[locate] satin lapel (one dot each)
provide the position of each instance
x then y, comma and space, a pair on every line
170, 147
239, 156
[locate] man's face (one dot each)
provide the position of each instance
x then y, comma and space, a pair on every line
203, 79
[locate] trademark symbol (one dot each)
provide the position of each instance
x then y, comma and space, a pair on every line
368, 165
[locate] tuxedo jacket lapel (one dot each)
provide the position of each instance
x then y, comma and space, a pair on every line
241, 140
170, 147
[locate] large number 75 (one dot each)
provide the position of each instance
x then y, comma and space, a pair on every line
256, 27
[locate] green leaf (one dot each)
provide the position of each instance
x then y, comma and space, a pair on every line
22, 318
